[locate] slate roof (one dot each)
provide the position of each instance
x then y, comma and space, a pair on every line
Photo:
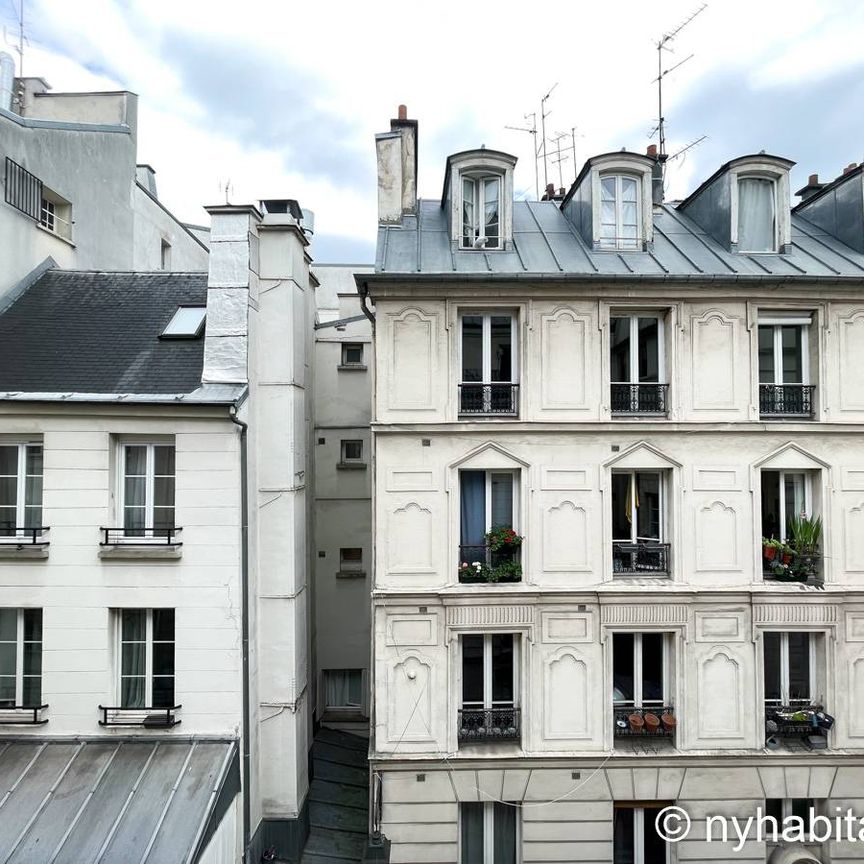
116, 802
545, 243
89, 332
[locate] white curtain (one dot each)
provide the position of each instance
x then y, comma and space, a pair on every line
756, 218
343, 688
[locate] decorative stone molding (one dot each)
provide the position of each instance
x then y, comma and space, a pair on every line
481, 616
647, 613
795, 613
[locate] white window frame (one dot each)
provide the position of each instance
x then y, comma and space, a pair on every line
21, 489
639, 834
488, 704
149, 485
489, 832
785, 665
164, 255
343, 455
55, 214
148, 655
638, 701
19, 658
487, 316
344, 354
619, 242
634, 345
778, 325
781, 480
478, 182
774, 188
664, 516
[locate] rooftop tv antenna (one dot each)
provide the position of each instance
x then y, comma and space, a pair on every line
227, 188
663, 45
18, 46
543, 115
559, 157
532, 129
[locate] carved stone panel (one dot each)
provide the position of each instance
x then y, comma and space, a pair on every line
566, 696
720, 714
565, 537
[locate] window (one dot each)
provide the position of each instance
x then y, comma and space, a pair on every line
481, 212
352, 354
490, 674
639, 670
148, 490
20, 488
343, 688
488, 364
619, 212
635, 837
351, 450
146, 658
785, 495
488, 833
789, 668
351, 559
20, 658
782, 808
55, 214
186, 323
757, 215
639, 523
165, 255
784, 365
486, 501
636, 359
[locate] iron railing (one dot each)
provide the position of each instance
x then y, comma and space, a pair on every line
631, 722
20, 536
793, 567
23, 190
144, 536
639, 398
489, 399
22, 715
797, 718
148, 717
489, 724
786, 400
642, 558
499, 565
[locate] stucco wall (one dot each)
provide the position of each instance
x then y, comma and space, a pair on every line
153, 225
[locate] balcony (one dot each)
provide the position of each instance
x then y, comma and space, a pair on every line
147, 718
18, 542
642, 558
489, 399
489, 564
782, 563
639, 399
478, 725
655, 722
22, 715
797, 720
142, 536
786, 400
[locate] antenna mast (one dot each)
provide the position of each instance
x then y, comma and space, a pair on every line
533, 130
543, 115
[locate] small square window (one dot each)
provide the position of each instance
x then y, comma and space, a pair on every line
352, 354
352, 451
343, 688
351, 558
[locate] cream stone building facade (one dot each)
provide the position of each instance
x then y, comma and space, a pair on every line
641, 391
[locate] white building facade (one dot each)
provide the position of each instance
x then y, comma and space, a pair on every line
587, 415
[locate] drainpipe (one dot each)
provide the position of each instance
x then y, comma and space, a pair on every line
244, 628
363, 291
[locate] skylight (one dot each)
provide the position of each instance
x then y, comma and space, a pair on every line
186, 323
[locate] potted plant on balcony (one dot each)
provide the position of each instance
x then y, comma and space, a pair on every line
770, 547
806, 535
668, 720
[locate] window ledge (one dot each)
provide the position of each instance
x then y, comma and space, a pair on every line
23, 551
350, 574
352, 367
351, 466
142, 551
55, 235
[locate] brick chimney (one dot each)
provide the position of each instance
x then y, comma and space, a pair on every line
813, 186
656, 174
396, 151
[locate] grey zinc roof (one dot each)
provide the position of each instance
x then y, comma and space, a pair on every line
96, 332
112, 802
544, 243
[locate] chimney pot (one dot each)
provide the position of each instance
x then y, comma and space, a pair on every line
403, 112
850, 167
813, 180
651, 151
550, 188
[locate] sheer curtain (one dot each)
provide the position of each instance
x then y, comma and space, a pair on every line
342, 688
471, 817
756, 231
505, 833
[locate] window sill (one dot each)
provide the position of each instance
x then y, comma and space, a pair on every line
142, 551
9, 549
629, 415
350, 574
352, 367
55, 235
351, 466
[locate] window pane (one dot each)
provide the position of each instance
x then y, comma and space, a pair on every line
32, 517
8, 462
468, 211
8, 625
652, 667
793, 493
132, 692
7, 520
622, 507
623, 838
622, 667
32, 658
133, 519
649, 350
471, 828
770, 488
352, 354
472, 670
628, 189
756, 215
654, 845
163, 492
766, 355
34, 460
791, 339
771, 645
133, 625
502, 668
504, 818
501, 348
7, 688
799, 666
353, 555
163, 658
502, 500
8, 658
355, 687
352, 449
163, 625
163, 461
774, 807
163, 518
648, 506
134, 491
136, 461
8, 491
607, 189
472, 494
31, 690
132, 658
619, 340
472, 348
32, 625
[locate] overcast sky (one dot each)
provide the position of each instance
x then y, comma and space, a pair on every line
283, 99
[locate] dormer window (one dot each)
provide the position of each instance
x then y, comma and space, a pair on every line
619, 212
757, 214
481, 212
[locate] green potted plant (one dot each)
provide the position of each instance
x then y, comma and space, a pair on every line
805, 538
770, 547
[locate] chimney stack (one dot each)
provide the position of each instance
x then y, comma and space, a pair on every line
397, 169
813, 186
656, 174
849, 168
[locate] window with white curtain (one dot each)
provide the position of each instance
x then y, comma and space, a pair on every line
343, 688
619, 212
20, 658
146, 658
757, 214
481, 212
20, 488
488, 832
147, 490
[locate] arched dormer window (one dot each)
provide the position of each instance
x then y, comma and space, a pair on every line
620, 212
757, 214
481, 211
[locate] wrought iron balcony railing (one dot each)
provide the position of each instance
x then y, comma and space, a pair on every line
11, 535
482, 564
798, 718
640, 558
144, 536
22, 715
489, 724
647, 722
489, 399
786, 400
639, 398
149, 718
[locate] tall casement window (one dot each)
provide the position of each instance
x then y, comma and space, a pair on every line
20, 658
785, 496
639, 670
790, 666
148, 490
490, 670
635, 837
488, 364
757, 214
784, 366
488, 833
636, 364
481, 212
487, 500
20, 488
639, 519
146, 658
619, 212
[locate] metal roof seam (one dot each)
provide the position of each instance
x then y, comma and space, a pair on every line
624, 262
657, 261
825, 264
679, 250
822, 243
221, 774
23, 774
545, 237
677, 218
